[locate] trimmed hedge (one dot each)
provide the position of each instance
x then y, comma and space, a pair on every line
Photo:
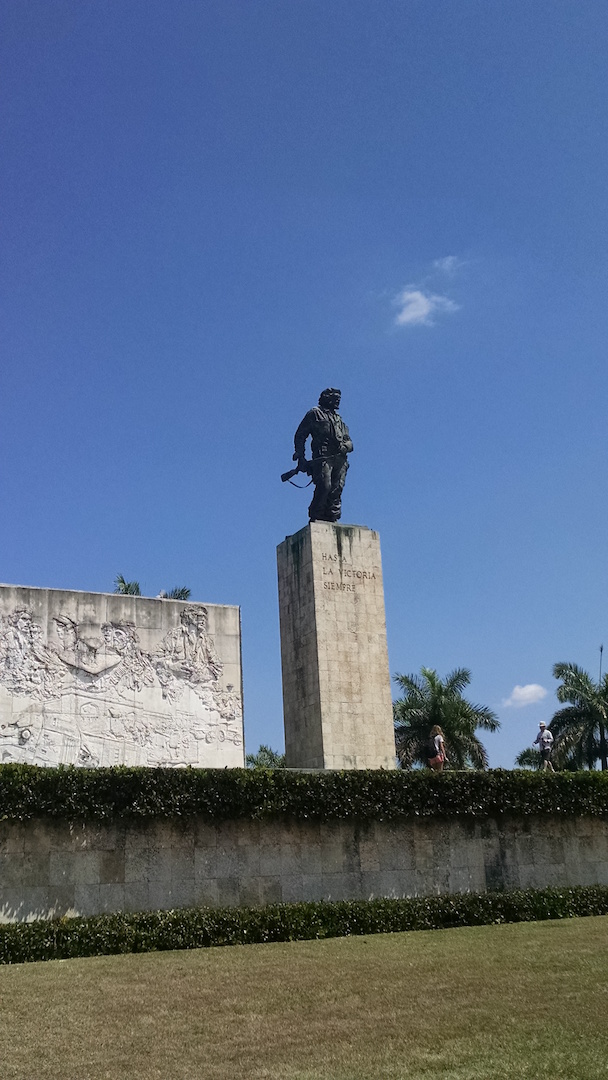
196, 928
112, 794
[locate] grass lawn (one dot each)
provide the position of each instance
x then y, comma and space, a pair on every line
522, 1000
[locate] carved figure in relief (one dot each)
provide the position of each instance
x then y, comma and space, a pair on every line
116, 663
73, 650
330, 444
15, 737
86, 758
110, 726
78, 654
228, 703
133, 669
27, 665
128, 725
186, 656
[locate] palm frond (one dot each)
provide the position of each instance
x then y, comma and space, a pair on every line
182, 593
529, 758
127, 588
457, 680
411, 685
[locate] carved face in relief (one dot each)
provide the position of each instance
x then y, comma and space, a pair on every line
115, 637
66, 632
195, 620
22, 621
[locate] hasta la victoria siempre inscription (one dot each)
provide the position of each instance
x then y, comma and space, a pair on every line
95, 701
339, 577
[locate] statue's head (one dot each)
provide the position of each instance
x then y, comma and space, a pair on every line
330, 398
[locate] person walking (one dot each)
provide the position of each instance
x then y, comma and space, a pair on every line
437, 749
545, 745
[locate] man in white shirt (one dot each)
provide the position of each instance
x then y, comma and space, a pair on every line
545, 745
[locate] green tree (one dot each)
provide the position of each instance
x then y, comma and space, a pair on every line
529, 758
265, 759
131, 588
428, 700
127, 588
580, 729
182, 593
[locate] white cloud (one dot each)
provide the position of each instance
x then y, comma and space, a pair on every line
448, 265
525, 695
418, 307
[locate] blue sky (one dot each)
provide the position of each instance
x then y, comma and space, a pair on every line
214, 210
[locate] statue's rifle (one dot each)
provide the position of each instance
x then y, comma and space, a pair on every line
305, 467
301, 467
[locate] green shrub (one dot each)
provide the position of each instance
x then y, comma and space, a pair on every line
196, 928
75, 794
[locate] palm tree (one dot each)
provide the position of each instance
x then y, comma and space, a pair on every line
265, 759
580, 730
182, 593
131, 588
127, 588
428, 700
529, 758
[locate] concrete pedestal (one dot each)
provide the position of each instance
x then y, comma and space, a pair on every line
336, 682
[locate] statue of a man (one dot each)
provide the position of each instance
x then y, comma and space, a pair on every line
331, 443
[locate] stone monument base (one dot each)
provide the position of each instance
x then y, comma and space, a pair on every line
336, 683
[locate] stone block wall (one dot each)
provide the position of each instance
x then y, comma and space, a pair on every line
52, 868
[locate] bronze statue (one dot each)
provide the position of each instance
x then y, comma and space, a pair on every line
330, 443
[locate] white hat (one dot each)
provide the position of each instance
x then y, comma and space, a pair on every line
542, 724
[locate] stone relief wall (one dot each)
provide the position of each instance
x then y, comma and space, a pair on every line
95, 679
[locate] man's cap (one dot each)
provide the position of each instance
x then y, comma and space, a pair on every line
542, 724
